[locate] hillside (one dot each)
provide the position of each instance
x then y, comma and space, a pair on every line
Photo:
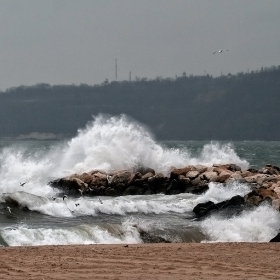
230, 107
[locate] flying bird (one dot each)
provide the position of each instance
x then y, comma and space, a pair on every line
220, 51
22, 184
100, 201
81, 191
9, 209
65, 197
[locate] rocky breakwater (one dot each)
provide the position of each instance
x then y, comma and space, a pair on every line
143, 180
194, 179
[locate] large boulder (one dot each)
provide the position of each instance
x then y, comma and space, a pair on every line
223, 176
228, 207
120, 179
73, 182
176, 172
258, 195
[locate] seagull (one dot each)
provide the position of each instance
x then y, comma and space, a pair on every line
109, 177
100, 201
81, 191
65, 197
22, 184
220, 51
72, 211
9, 209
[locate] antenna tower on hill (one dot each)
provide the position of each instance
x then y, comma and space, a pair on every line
116, 70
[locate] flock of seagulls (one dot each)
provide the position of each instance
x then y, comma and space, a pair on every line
64, 198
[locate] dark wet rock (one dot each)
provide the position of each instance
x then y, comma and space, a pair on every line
253, 170
133, 190
228, 207
202, 208
175, 187
200, 189
149, 238
276, 238
11, 202
148, 192
112, 192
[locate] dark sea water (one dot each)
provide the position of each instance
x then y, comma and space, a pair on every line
113, 144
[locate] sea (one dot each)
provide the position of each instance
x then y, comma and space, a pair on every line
117, 143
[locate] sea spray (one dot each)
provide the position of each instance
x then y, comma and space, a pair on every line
19, 165
117, 143
257, 225
218, 153
220, 192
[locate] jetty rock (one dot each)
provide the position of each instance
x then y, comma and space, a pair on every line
265, 182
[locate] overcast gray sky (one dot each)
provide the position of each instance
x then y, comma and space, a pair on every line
69, 41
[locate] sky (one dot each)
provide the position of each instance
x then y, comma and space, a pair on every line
73, 42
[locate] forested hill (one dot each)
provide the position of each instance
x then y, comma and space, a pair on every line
244, 106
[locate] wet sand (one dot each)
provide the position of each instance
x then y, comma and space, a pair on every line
145, 261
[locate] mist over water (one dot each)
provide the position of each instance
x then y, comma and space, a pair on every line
108, 144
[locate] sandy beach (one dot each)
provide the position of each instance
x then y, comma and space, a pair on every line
144, 261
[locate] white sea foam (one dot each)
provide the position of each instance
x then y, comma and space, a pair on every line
87, 206
258, 225
120, 143
219, 192
83, 234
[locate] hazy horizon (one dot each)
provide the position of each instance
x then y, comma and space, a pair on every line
73, 42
